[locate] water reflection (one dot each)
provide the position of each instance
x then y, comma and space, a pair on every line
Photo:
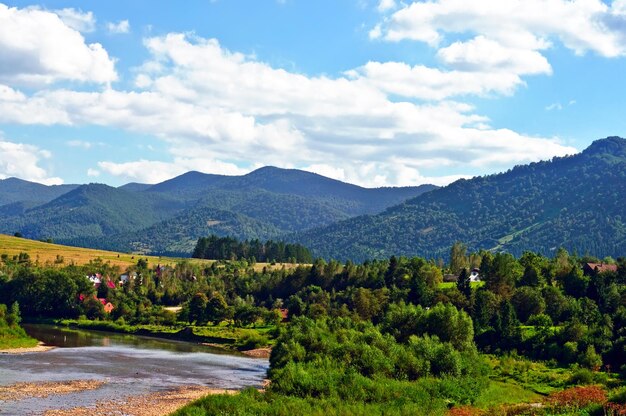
72, 338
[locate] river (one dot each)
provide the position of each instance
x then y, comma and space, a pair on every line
129, 365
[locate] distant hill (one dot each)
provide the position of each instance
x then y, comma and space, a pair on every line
577, 202
88, 210
170, 216
14, 190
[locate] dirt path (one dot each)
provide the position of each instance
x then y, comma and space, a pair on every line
154, 404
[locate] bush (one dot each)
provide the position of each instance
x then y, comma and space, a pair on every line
252, 340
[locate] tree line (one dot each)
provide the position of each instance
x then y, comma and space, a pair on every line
228, 248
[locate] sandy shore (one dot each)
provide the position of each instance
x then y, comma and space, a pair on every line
21, 391
39, 348
259, 352
155, 404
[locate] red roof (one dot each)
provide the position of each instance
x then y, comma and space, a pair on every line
601, 267
102, 301
110, 284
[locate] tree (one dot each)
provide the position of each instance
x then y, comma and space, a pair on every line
464, 284
216, 308
458, 257
197, 308
14, 318
527, 302
574, 282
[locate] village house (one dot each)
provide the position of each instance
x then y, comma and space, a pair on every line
592, 269
126, 277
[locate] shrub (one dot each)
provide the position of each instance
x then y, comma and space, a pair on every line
576, 398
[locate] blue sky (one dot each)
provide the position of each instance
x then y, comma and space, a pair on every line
373, 92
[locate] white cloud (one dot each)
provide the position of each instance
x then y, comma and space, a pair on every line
151, 171
83, 22
386, 5
581, 25
94, 173
22, 161
217, 110
433, 84
484, 55
121, 27
37, 47
79, 143
554, 106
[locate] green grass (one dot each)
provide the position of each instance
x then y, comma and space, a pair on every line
500, 392
449, 285
50, 253
14, 337
10, 342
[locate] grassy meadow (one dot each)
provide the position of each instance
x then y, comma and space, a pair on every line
43, 253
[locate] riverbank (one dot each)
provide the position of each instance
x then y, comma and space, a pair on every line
21, 391
249, 341
154, 404
40, 347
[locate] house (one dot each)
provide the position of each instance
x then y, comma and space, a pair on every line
474, 275
108, 306
126, 277
110, 284
95, 279
592, 269
284, 313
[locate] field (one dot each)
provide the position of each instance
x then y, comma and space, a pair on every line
50, 253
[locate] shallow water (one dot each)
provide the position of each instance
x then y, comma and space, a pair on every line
130, 365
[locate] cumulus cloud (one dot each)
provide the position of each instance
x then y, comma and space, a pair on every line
121, 27
39, 47
581, 25
433, 84
84, 22
22, 161
151, 171
386, 5
224, 112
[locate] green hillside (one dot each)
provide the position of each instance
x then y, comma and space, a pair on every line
170, 216
577, 202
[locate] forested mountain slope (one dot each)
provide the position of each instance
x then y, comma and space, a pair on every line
90, 210
14, 190
577, 202
168, 216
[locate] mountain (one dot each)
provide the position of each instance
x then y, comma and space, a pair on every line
577, 202
135, 187
165, 217
178, 236
344, 197
88, 210
14, 190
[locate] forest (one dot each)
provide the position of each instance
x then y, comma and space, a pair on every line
227, 248
381, 337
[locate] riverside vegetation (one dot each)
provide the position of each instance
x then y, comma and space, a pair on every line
384, 336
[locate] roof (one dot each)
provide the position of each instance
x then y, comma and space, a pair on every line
601, 267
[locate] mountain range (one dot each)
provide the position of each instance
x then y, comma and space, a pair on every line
169, 217
577, 202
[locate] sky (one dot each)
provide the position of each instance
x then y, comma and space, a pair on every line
371, 92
